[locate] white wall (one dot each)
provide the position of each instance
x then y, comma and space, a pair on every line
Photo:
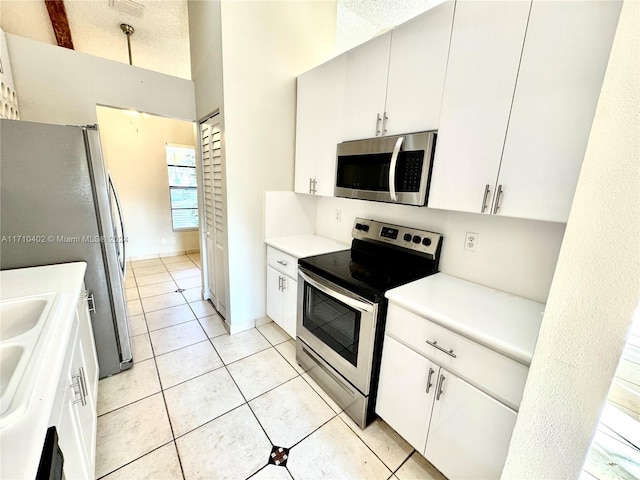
596, 285
205, 37
263, 51
134, 147
513, 255
62, 86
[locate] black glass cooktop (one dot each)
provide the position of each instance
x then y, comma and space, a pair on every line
369, 270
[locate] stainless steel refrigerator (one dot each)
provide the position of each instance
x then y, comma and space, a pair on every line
57, 205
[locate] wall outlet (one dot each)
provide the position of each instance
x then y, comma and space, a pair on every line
471, 241
338, 215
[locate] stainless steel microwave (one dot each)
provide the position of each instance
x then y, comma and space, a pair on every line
394, 169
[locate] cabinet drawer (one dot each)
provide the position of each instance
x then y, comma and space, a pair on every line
282, 262
499, 376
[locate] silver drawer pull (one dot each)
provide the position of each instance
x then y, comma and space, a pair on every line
448, 352
440, 382
283, 263
429, 384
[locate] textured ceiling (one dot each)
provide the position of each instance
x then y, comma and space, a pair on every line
161, 38
160, 41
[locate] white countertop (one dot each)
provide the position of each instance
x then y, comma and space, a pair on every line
301, 246
503, 322
22, 437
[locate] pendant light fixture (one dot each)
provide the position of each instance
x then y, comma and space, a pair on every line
128, 31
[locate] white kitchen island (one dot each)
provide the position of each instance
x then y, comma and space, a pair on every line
49, 369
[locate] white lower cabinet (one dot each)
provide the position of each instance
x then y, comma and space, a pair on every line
76, 421
405, 394
469, 432
282, 292
463, 431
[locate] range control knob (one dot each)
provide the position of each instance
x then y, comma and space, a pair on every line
362, 226
407, 237
416, 239
426, 241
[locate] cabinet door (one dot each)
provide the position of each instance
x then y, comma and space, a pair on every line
290, 306
405, 394
274, 295
319, 126
85, 411
486, 44
331, 81
89, 347
365, 88
563, 64
306, 131
468, 424
417, 66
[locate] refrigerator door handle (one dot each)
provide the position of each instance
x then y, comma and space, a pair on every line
122, 240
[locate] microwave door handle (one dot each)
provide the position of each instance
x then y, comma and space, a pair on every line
392, 169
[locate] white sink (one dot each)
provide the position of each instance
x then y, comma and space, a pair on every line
21, 322
19, 316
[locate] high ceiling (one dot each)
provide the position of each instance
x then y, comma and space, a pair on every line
161, 38
160, 41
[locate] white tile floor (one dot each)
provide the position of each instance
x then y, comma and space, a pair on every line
199, 403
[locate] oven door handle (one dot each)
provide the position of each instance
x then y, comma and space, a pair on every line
392, 169
349, 300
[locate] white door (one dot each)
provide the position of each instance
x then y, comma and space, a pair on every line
563, 63
274, 295
417, 66
486, 44
365, 89
307, 131
406, 391
467, 424
214, 211
289, 305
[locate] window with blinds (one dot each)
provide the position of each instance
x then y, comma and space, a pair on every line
181, 165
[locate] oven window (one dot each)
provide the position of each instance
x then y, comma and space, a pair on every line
332, 322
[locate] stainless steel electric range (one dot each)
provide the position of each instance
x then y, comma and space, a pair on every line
342, 308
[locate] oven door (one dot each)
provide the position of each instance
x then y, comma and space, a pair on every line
339, 326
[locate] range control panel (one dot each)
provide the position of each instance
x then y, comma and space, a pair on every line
421, 241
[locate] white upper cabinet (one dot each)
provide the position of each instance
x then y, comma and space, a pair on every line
318, 126
417, 67
485, 50
394, 82
516, 116
563, 64
365, 89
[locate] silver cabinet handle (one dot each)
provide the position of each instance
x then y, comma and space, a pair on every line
392, 169
448, 352
378, 124
314, 182
487, 189
310, 185
499, 196
283, 263
279, 282
440, 382
79, 383
429, 384
91, 303
284, 283
384, 123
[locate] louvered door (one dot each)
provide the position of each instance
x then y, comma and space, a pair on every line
214, 210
